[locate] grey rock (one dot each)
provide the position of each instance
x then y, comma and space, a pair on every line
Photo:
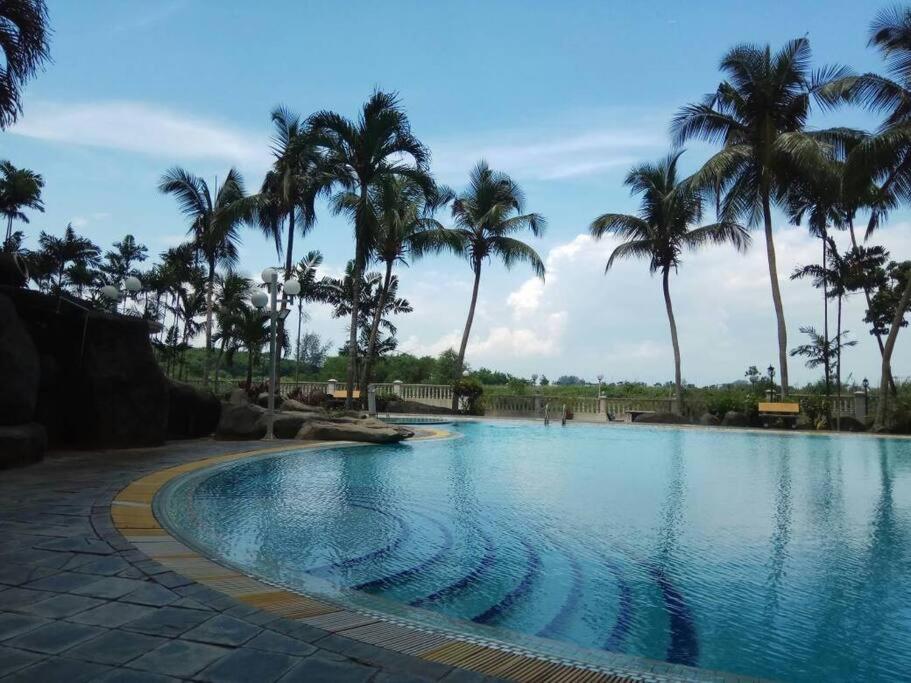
289, 404
19, 368
709, 420
240, 421
192, 412
368, 430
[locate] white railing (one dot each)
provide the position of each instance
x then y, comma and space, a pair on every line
438, 395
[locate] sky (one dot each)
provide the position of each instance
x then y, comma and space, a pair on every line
565, 97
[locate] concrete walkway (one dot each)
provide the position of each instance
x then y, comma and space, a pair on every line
80, 603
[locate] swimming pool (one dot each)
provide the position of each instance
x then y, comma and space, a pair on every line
784, 556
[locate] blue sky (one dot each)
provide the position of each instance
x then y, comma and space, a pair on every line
564, 96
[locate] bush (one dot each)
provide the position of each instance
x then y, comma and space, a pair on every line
471, 391
311, 397
383, 399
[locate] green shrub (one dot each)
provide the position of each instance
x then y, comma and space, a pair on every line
471, 390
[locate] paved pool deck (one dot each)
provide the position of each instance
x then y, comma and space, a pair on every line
80, 601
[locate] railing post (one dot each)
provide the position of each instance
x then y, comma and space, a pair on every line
397, 387
602, 406
860, 406
330, 386
371, 400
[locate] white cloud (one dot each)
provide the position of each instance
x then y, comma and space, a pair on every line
569, 152
583, 322
143, 128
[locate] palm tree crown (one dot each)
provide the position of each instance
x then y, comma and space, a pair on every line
20, 189
24, 42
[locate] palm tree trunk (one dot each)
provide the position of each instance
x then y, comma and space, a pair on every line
678, 382
776, 295
352, 334
210, 297
374, 330
460, 362
9, 228
827, 365
838, 365
881, 411
868, 297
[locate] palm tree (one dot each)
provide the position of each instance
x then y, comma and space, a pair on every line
662, 230
886, 155
20, 189
24, 41
214, 225
486, 215
311, 290
250, 331
759, 113
120, 262
407, 230
357, 156
291, 186
67, 250
233, 291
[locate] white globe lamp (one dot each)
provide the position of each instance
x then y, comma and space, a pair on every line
292, 287
268, 275
110, 292
132, 284
259, 299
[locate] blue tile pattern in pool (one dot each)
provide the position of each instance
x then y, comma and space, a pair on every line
774, 555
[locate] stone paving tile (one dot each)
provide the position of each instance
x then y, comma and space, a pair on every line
112, 614
223, 630
17, 574
381, 657
179, 658
64, 582
12, 625
104, 566
16, 598
171, 580
133, 676
190, 603
115, 647
12, 660
167, 621
78, 544
151, 594
60, 670
62, 605
242, 666
465, 676
270, 641
384, 677
54, 638
111, 587
319, 669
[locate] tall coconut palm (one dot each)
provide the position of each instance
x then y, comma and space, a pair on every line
486, 215
20, 189
71, 249
356, 156
233, 290
24, 37
662, 230
407, 231
886, 155
214, 226
290, 188
759, 114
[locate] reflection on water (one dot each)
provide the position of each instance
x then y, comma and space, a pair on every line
782, 556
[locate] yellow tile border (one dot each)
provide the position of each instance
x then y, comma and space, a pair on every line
133, 516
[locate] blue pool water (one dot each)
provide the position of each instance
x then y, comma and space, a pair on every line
774, 555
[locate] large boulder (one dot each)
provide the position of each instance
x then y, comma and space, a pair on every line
734, 419
20, 368
709, 420
661, 418
13, 269
241, 421
351, 429
22, 444
285, 425
289, 404
192, 412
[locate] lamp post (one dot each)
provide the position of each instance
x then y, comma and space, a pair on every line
131, 285
771, 371
260, 299
866, 385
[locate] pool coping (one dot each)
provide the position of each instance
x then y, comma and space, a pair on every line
133, 514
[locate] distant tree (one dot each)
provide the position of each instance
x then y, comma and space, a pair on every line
24, 37
544, 381
313, 289
446, 366
121, 262
20, 188
569, 380
62, 252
